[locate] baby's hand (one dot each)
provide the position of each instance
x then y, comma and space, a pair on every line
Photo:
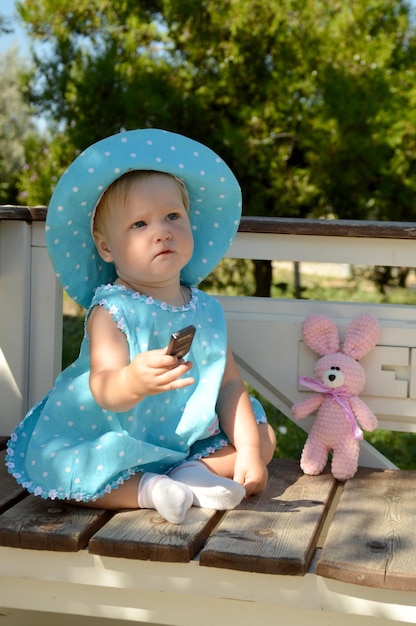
250, 470
155, 371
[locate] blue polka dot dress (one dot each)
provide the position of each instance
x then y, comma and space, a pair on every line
68, 447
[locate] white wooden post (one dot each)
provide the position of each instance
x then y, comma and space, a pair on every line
15, 253
30, 320
45, 348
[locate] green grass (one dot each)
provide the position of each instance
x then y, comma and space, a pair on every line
73, 330
400, 448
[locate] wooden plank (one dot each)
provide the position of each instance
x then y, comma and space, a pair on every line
275, 532
22, 213
371, 540
10, 491
328, 228
145, 535
40, 524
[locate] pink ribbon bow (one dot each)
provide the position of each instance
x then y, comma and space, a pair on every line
340, 395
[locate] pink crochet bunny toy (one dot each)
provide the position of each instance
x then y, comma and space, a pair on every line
339, 378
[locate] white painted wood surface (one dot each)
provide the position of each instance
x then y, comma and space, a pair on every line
185, 594
45, 310
324, 249
15, 251
30, 320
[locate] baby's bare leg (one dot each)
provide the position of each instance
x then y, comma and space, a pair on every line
222, 461
125, 497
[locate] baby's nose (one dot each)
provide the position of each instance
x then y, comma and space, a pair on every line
163, 234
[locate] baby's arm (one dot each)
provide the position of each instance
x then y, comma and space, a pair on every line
239, 423
118, 384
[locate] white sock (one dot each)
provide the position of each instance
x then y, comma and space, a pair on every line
210, 490
169, 498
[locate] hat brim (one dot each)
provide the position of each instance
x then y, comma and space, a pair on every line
214, 193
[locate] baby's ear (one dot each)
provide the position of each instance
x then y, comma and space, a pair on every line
103, 247
361, 336
320, 334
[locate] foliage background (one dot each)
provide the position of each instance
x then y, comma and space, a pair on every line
311, 102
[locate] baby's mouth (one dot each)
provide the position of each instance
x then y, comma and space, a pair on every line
163, 252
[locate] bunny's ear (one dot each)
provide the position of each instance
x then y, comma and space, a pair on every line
361, 336
320, 334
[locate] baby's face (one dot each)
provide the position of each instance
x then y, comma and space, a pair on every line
149, 238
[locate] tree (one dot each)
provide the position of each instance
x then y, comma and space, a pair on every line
311, 102
14, 126
366, 164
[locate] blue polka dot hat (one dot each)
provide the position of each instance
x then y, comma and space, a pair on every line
214, 193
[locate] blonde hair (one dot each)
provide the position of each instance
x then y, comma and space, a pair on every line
118, 190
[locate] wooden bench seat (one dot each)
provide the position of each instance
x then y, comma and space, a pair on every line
366, 538
257, 536
371, 539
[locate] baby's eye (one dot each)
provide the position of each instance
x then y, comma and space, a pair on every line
139, 224
172, 217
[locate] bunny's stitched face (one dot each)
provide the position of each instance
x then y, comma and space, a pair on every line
336, 370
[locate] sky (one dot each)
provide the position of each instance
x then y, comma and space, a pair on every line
6, 41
